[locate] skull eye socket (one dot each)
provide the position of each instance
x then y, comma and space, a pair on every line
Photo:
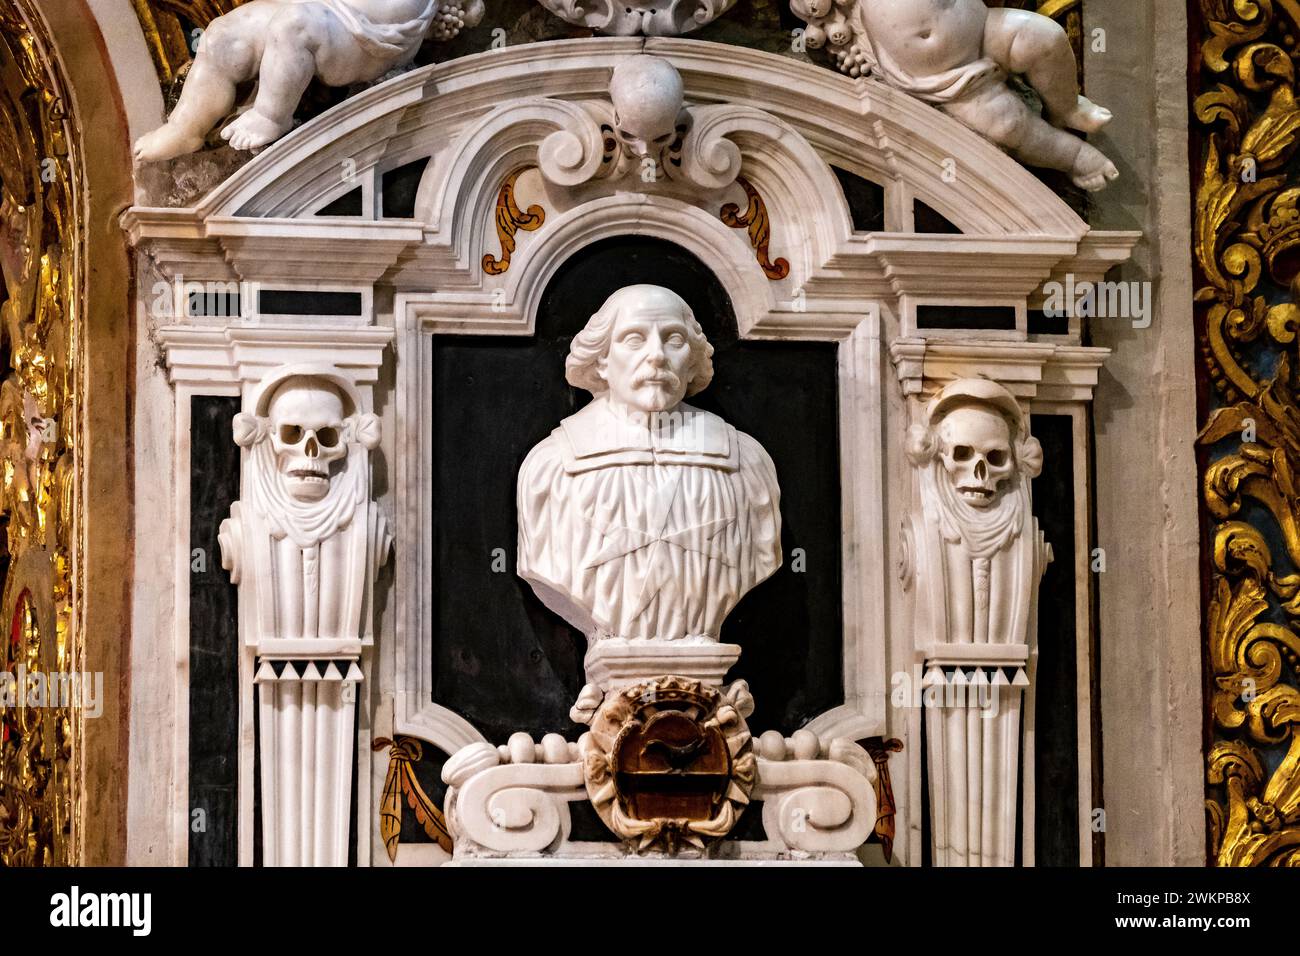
997, 457
290, 434
962, 453
328, 437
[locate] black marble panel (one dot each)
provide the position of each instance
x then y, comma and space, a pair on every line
927, 219
970, 317
351, 203
214, 638
866, 200
1040, 323
286, 302
1056, 737
399, 188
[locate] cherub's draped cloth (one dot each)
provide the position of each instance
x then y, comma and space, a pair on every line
647, 533
383, 40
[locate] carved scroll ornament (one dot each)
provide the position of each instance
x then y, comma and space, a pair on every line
1246, 242
654, 18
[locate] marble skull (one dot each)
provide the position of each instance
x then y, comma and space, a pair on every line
975, 447
307, 423
647, 94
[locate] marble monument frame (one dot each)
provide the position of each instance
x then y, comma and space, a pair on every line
481, 119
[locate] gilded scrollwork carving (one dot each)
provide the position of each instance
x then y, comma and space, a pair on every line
1247, 242
41, 235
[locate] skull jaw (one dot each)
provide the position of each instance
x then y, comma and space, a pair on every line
307, 481
980, 496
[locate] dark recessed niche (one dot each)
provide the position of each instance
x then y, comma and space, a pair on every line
992, 318
926, 219
212, 304
283, 302
500, 657
866, 200
349, 204
1040, 323
399, 188
1056, 726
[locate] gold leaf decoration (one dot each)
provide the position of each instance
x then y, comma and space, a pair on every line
1246, 243
509, 220
402, 784
759, 224
41, 241
880, 748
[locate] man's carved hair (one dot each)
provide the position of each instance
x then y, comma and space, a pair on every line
592, 343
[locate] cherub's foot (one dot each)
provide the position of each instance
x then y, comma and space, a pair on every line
1086, 117
1092, 170
166, 142
253, 131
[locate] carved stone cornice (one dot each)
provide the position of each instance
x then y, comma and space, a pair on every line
238, 355
1032, 371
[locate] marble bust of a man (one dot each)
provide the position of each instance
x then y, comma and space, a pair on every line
641, 517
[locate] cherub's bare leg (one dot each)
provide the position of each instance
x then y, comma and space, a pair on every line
1038, 48
1045, 145
229, 53
296, 36
1003, 117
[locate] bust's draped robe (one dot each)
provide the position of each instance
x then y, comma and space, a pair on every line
647, 533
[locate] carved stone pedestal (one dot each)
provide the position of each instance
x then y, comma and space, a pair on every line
614, 663
510, 804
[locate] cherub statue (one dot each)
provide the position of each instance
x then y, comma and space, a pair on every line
956, 54
283, 44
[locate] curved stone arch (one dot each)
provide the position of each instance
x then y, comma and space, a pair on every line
456, 199
692, 229
859, 123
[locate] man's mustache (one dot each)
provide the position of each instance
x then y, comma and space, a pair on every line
658, 376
